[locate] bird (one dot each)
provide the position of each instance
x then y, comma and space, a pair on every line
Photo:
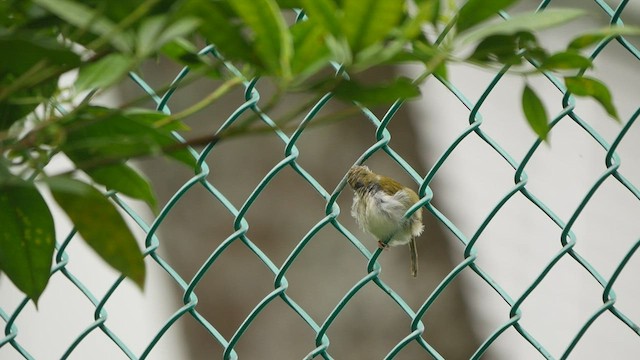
379, 206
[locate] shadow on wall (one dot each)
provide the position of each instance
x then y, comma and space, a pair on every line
371, 324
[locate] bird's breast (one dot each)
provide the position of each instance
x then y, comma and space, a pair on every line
380, 214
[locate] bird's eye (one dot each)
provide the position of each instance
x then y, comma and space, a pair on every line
358, 185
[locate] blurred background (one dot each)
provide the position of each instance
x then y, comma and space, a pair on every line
519, 242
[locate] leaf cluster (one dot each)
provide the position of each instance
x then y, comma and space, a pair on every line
105, 40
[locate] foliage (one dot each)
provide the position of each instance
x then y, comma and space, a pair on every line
104, 40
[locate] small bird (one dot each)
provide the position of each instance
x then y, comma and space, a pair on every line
379, 205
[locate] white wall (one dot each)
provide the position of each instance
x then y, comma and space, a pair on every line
520, 241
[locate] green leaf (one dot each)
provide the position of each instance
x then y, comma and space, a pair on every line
179, 28
340, 50
586, 40
33, 49
185, 53
435, 10
44, 58
84, 17
585, 86
441, 71
5, 175
310, 50
99, 136
326, 14
529, 22
63, 184
378, 53
155, 119
535, 112
427, 11
220, 26
507, 49
104, 73
156, 32
27, 237
290, 4
148, 33
433, 58
367, 22
400, 88
125, 180
566, 60
272, 42
474, 12
103, 229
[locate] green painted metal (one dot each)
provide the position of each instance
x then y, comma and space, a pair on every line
320, 327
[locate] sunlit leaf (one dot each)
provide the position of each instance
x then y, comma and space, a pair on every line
148, 33
529, 22
427, 11
585, 86
378, 53
535, 112
125, 180
441, 71
474, 12
103, 73
103, 229
27, 237
272, 41
157, 31
290, 4
310, 50
591, 38
369, 21
429, 56
325, 13
181, 27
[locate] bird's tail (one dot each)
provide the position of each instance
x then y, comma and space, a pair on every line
414, 257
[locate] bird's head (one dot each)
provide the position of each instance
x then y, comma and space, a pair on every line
360, 177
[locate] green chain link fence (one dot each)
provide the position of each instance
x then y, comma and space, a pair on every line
320, 326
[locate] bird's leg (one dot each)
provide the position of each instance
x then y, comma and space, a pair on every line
382, 245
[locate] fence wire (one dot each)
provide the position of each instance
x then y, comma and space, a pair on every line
320, 326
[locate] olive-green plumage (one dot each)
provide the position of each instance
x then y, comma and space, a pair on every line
379, 205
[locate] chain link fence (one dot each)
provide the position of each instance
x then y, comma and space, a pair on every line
12, 343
